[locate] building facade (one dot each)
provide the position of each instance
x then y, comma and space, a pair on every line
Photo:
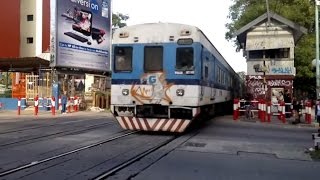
269, 43
25, 70
25, 30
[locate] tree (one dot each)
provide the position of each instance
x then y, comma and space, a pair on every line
119, 20
301, 12
242, 75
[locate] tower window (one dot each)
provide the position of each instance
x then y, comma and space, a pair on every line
29, 40
30, 17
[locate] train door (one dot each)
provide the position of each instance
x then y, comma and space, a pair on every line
212, 76
203, 57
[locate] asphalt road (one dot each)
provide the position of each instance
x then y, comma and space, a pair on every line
227, 150
220, 149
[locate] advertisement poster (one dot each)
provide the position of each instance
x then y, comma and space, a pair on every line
81, 34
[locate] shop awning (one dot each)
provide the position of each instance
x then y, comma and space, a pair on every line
26, 64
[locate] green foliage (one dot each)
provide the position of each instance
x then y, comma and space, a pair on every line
5, 78
301, 12
242, 75
315, 155
119, 20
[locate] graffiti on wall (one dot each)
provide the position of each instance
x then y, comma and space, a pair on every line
256, 87
153, 88
274, 83
282, 70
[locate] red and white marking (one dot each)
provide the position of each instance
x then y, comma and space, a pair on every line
153, 124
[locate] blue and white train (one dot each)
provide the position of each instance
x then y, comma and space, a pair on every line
165, 75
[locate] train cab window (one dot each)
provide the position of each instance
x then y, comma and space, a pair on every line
123, 59
153, 58
184, 59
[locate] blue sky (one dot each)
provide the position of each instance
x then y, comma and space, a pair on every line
210, 16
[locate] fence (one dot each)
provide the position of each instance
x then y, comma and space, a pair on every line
265, 110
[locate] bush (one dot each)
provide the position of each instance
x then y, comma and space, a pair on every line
315, 155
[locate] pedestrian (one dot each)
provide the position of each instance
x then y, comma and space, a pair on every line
297, 108
64, 101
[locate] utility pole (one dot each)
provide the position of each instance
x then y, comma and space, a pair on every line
317, 49
265, 86
268, 12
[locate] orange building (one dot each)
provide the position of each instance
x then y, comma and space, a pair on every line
25, 36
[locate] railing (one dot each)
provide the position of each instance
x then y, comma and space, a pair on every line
266, 109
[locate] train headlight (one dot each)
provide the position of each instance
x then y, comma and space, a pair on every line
180, 92
125, 92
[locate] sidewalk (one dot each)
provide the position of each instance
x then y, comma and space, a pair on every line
29, 114
288, 122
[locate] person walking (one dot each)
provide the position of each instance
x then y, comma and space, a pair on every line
297, 108
64, 101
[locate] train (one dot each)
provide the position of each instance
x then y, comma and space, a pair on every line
165, 75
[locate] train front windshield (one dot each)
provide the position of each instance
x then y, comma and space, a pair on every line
123, 59
153, 58
184, 59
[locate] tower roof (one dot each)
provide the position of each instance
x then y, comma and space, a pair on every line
297, 30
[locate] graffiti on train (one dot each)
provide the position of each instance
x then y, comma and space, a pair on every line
153, 89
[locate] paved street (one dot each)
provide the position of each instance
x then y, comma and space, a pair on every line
220, 149
239, 150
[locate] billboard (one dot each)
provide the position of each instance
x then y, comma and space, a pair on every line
80, 34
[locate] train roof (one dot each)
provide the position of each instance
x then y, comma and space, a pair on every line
165, 33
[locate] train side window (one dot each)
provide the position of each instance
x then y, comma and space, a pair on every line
153, 58
184, 59
123, 59
206, 72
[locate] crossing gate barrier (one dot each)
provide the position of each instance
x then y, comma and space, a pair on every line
60, 103
19, 106
69, 105
241, 105
268, 111
235, 109
308, 112
53, 105
36, 105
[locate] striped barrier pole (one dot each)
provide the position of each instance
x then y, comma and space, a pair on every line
283, 114
235, 109
238, 109
259, 109
75, 106
69, 105
72, 103
309, 112
60, 103
53, 105
306, 112
263, 118
19, 106
269, 111
36, 105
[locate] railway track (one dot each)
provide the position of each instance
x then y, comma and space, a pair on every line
15, 130
109, 166
53, 135
133, 160
41, 161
